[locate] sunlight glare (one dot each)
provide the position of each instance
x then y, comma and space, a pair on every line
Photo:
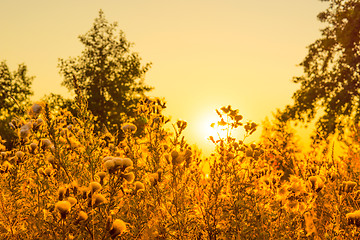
206, 130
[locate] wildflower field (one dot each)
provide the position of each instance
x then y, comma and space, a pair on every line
64, 180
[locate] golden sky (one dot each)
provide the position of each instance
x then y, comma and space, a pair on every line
205, 53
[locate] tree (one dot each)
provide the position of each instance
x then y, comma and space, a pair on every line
331, 72
108, 73
15, 90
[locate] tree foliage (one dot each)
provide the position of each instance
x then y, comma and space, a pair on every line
15, 90
107, 72
331, 71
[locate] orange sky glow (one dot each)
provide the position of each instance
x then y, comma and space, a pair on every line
205, 53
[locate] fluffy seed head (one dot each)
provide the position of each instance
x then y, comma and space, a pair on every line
94, 186
33, 146
109, 165
48, 171
123, 163
99, 199
72, 201
82, 216
35, 109
117, 228
129, 128
46, 143
107, 158
63, 207
127, 163
19, 154
25, 130
129, 177
139, 186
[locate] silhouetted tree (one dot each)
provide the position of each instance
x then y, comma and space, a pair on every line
331, 71
15, 90
108, 73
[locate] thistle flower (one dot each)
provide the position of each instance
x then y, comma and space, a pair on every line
129, 128
25, 130
177, 158
63, 207
35, 110
139, 187
109, 165
19, 154
98, 199
82, 216
45, 143
129, 177
127, 163
123, 163
4, 155
94, 186
249, 152
48, 171
354, 218
181, 124
39, 121
72, 201
118, 227
51, 159
33, 146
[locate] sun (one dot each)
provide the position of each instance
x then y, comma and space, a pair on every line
206, 129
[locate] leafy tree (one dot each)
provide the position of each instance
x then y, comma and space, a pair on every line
15, 90
109, 75
331, 72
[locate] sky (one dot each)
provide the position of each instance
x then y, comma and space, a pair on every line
205, 54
